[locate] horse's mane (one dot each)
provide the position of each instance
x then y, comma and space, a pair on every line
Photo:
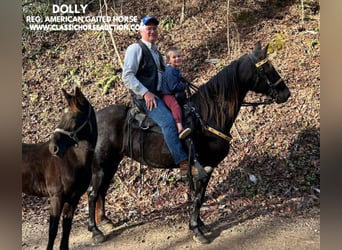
218, 98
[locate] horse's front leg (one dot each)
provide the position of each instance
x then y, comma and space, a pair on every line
55, 212
196, 224
93, 193
204, 228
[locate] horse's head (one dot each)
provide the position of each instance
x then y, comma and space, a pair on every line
265, 77
76, 124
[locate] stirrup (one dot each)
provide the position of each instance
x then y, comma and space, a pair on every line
202, 172
184, 133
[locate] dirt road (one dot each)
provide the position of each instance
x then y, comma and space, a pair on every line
257, 234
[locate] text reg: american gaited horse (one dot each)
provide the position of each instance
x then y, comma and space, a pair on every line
61, 167
215, 106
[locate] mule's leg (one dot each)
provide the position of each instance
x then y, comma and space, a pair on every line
55, 212
53, 228
68, 214
196, 224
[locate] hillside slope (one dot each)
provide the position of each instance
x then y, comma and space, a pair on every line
279, 144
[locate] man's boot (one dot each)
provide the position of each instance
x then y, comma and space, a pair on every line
194, 171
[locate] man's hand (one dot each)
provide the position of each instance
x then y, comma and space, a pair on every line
150, 100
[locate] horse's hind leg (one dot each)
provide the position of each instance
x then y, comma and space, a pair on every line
100, 211
55, 212
103, 172
110, 168
93, 192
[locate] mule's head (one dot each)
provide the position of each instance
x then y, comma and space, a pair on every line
266, 79
74, 126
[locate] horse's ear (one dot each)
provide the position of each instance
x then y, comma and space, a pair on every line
257, 47
67, 96
79, 96
258, 51
264, 51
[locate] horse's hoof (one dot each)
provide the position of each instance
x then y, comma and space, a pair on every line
98, 238
201, 239
204, 229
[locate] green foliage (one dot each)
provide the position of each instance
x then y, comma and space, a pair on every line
35, 9
277, 43
71, 76
108, 77
167, 23
220, 65
33, 54
309, 8
309, 4
106, 83
171, 179
32, 8
117, 183
54, 51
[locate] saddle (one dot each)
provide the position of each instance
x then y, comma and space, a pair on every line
137, 119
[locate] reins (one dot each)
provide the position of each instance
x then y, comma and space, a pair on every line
254, 104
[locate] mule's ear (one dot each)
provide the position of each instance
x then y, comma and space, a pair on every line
79, 96
67, 96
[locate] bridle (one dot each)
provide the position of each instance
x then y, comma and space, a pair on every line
261, 73
261, 70
73, 134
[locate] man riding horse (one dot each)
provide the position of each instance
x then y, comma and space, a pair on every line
142, 69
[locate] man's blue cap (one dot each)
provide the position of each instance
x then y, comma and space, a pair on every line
148, 19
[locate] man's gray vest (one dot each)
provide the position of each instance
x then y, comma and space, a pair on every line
148, 71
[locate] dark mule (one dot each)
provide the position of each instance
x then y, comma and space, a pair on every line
215, 106
61, 167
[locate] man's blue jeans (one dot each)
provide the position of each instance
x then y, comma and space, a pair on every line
163, 117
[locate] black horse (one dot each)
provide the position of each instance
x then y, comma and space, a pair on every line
61, 167
214, 108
